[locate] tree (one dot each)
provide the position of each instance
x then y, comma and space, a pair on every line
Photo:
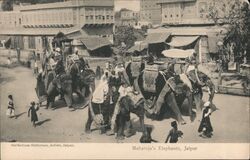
234, 17
126, 35
7, 5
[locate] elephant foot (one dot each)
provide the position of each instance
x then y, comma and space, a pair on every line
182, 122
110, 133
87, 131
120, 137
192, 117
71, 108
129, 132
102, 130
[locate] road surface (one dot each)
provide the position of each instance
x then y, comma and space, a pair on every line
230, 122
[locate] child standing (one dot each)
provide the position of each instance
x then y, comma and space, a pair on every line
11, 110
174, 133
33, 111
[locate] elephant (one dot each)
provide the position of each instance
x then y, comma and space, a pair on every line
60, 85
53, 83
198, 80
128, 106
171, 98
82, 78
170, 91
194, 93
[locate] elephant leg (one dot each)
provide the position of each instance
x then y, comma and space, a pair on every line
171, 101
198, 101
50, 101
68, 99
120, 127
89, 122
142, 124
129, 130
192, 114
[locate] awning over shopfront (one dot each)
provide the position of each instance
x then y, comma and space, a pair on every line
154, 38
178, 53
93, 43
137, 47
181, 41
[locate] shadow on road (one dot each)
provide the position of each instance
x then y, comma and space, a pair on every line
6, 79
137, 126
19, 115
42, 122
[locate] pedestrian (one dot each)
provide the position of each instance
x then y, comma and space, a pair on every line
33, 109
98, 72
35, 67
205, 125
11, 110
8, 62
174, 133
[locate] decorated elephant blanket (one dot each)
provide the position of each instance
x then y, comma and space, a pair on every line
175, 85
135, 68
149, 80
149, 77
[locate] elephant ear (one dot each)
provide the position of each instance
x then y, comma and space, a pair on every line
88, 76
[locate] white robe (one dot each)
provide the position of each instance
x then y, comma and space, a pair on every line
100, 92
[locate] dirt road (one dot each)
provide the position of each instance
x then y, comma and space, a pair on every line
230, 122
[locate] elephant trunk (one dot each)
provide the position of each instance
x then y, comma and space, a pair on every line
211, 89
170, 99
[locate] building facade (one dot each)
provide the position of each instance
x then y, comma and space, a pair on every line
150, 11
32, 22
187, 22
129, 17
187, 11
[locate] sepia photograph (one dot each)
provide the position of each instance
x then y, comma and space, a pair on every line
125, 72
